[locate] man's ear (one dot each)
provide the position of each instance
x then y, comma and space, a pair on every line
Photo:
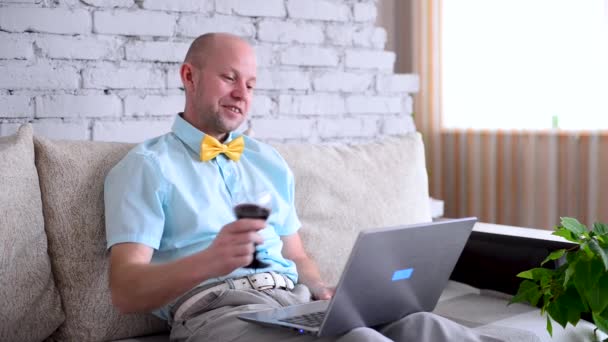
186, 71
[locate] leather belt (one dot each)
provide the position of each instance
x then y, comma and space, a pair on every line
257, 281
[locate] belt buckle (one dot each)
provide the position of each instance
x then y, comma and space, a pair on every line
255, 286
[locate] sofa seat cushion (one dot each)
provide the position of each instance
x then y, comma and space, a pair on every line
72, 174
342, 189
489, 312
30, 306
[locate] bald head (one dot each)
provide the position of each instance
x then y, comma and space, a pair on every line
203, 46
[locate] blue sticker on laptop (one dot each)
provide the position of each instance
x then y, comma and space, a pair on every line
403, 274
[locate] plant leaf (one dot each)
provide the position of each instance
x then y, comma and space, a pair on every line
554, 256
597, 249
600, 322
558, 311
528, 292
600, 228
590, 280
566, 234
574, 226
549, 326
572, 303
537, 274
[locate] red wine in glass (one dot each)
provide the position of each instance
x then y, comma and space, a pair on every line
253, 211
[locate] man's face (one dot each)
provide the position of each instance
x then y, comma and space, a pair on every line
223, 88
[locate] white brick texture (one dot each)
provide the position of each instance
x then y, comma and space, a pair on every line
342, 81
111, 77
261, 105
51, 20
80, 47
265, 55
198, 6
289, 32
279, 129
290, 79
15, 46
110, 3
132, 23
109, 69
348, 127
13, 106
365, 11
195, 25
400, 124
130, 131
366, 59
156, 51
309, 56
63, 106
252, 8
317, 104
318, 10
58, 129
39, 76
154, 105
361, 104
398, 83
174, 80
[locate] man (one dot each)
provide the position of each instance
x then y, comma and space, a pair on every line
177, 249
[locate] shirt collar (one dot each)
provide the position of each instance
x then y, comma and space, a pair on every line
190, 135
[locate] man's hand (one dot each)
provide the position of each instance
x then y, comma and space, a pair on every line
234, 245
322, 291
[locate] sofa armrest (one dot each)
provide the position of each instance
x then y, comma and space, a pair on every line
495, 254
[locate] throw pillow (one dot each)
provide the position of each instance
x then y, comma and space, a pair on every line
72, 174
342, 189
30, 306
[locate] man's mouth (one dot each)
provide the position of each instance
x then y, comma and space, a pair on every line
234, 109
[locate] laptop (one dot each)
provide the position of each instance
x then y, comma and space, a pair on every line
390, 273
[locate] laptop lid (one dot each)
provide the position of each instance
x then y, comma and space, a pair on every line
390, 273
393, 272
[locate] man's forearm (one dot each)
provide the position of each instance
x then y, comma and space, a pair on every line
139, 287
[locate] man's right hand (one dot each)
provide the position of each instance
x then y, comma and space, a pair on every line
233, 247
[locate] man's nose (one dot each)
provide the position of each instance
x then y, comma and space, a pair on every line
240, 91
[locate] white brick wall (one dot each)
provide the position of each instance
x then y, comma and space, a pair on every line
309, 56
16, 106
51, 20
318, 10
154, 105
198, 6
252, 8
39, 76
317, 104
111, 76
141, 23
109, 69
156, 51
289, 32
78, 106
80, 47
15, 47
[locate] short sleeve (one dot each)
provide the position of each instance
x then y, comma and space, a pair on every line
134, 193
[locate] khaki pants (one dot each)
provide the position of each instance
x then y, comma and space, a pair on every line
215, 319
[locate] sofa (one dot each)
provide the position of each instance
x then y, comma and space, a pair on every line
54, 262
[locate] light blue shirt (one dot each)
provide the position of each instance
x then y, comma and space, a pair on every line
161, 195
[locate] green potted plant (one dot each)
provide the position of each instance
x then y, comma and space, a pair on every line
579, 286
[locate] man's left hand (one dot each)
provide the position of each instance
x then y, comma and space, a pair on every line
322, 292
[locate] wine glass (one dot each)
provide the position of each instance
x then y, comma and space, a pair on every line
255, 205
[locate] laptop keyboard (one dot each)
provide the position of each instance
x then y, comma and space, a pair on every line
313, 319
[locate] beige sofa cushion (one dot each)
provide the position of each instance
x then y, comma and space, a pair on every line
30, 307
71, 181
342, 189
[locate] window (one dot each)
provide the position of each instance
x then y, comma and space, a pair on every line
532, 64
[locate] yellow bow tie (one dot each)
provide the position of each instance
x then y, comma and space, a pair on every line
210, 148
